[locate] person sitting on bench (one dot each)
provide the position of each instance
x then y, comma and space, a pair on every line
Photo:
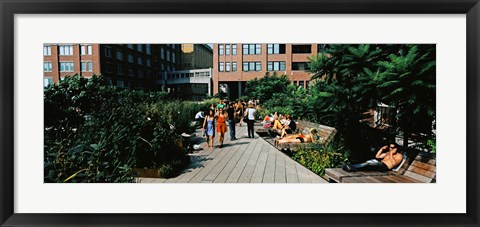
306, 136
386, 159
289, 127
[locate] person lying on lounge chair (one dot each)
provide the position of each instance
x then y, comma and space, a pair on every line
307, 136
388, 157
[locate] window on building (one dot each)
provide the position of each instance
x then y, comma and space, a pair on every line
227, 66
139, 60
234, 49
276, 48
140, 73
252, 66
162, 53
252, 49
86, 49
108, 52
47, 66
258, 49
140, 47
65, 49
276, 66
86, 66
227, 49
234, 66
168, 55
131, 72
322, 47
131, 58
302, 49
119, 55
47, 50
299, 65
300, 83
163, 67
120, 70
66, 67
220, 49
307, 84
220, 66
149, 61
130, 46
148, 48
258, 66
47, 81
173, 57
120, 83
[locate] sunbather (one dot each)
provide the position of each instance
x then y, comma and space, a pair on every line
289, 127
306, 136
386, 159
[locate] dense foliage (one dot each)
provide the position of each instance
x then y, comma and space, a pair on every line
349, 80
266, 87
317, 158
99, 133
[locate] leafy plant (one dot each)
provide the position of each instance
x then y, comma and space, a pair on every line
99, 133
318, 157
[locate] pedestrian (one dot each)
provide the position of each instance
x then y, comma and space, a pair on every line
240, 111
231, 114
250, 114
221, 126
209, 127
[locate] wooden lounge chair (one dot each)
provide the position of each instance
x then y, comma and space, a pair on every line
326, 134
419, 169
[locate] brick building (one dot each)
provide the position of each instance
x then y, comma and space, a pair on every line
124, 65
197, 56
235, 64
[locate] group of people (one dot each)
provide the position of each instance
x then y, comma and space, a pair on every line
285, 127
224, 116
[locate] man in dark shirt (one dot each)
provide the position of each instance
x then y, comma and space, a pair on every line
231, 114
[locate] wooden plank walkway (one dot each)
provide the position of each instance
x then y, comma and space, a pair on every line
244, 160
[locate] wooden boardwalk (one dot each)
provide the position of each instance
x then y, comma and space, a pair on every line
244, 160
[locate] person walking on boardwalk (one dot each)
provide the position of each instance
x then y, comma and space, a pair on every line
250, 114
209, 127
231, 114
221, 126
240, 111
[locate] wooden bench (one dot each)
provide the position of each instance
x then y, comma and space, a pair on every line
326, 134
416, 169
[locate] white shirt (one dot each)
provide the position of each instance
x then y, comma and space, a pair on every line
198, 115
251, 113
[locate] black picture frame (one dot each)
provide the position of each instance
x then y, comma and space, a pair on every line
9, 8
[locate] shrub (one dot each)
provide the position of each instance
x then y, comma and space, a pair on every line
318, 157
99, 133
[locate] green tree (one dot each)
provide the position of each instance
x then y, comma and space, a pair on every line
264, 88
408, 83
353, 78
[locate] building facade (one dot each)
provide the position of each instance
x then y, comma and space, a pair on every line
197, 56
124, 65
235, 64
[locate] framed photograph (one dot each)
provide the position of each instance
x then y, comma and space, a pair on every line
284, 67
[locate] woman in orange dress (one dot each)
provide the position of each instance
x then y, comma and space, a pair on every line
221, 126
